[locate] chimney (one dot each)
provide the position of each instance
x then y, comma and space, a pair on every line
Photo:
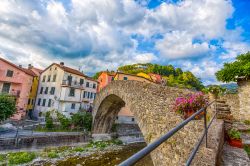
62, 63
20, 66
30, 66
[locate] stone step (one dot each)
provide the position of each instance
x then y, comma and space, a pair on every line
223, 109
225, 116
222, 105
220, 101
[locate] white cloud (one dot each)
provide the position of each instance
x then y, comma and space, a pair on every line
180, 45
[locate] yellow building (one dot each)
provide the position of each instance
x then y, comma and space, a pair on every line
33, 91
124, 76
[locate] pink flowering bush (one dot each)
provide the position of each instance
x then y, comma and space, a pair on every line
191, 102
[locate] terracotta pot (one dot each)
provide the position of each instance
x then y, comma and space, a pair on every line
235, 143
189, 113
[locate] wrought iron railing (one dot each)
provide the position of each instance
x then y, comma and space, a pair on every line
148, 149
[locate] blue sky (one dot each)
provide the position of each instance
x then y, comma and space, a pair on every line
196, 35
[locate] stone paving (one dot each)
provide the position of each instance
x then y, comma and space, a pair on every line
234, 156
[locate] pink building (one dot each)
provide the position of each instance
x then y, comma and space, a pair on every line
16, 81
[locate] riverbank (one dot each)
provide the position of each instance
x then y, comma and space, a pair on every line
92, 154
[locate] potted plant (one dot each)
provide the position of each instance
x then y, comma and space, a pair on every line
189, 104
234, 138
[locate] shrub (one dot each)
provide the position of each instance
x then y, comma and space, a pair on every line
192, 102
234, 134
78, 149
247, 149
53, 154
2, 157
21, 157
7, 106
247, 122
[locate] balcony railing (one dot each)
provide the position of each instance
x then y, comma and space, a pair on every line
74, 84
148, 149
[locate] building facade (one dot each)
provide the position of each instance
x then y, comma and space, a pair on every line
105, 78
16, 81
64, 89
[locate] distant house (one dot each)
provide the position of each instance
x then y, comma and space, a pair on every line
125, 76
105, 78
16, 81
64, 89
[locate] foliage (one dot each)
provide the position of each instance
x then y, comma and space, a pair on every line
247, 149
234, 134
82, 119
2, 157
78, 149
232, 71
64, 121
21, 157
174, 77
192, 102
215, 89
53, 154
48, 121
247, 122
7, 106
97, 75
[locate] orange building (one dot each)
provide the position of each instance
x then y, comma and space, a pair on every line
105, 78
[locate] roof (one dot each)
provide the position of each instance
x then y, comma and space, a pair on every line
39, 70
71, 70
27, 71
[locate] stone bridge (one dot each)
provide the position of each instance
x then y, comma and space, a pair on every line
152, 107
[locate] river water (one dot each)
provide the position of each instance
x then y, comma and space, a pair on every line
109, 158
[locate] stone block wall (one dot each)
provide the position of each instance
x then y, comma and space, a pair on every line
244, 98
233, 101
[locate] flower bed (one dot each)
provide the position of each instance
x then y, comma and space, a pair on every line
188, 105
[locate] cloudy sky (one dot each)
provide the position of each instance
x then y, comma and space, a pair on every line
196, 35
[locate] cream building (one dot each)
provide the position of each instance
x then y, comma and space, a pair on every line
64, 89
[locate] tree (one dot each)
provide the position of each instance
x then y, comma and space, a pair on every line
64, 121
7, 106
234, 70
48, 121
82, 119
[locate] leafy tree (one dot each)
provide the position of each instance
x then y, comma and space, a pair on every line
97, 75
7, 106
48, 121
64, 121
82, 119
232, 71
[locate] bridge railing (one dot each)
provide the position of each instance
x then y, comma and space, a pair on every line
148, 149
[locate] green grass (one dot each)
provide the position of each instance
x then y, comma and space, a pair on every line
53, 154
79, 149
20, 157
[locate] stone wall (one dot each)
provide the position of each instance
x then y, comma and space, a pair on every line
244, 98
42, 141
233, 101
152, 107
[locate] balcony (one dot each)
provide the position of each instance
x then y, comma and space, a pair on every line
73, 84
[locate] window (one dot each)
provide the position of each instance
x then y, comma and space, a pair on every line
46, 90
73, 105
39, 101
54, 78
49, 103
112, 79
87, 84
52, 90
49, 78
9, 73
94, 95
44, 102
6, 87
91, 95
44, 78
81, 81
94, 86
84, 94
125, 78
41, 90
29, 102
132, 119
88, 95
72, 92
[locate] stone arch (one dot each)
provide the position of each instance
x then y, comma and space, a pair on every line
152, 106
